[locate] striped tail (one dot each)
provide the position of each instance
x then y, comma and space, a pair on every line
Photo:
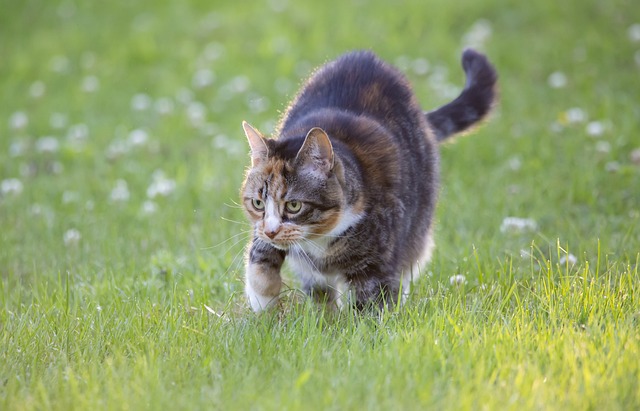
473, 104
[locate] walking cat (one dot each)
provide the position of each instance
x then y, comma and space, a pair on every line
346, 191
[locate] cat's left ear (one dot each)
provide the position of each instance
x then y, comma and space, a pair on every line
259, 149
316, 151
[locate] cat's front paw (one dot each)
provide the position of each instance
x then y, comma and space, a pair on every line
262, 286
259, 302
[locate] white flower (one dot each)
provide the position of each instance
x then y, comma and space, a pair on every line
595, 128
557, 79
160, 186
516, 224
478, 34
203, 78
634, 32
457, 279
576, 115
196, 112
37, 89
58, 120
164, 105
149, 207
570, 259
18, 120
90, 84
59, 64
17, 148
120, 192
635, 156
71, 237
138, 137
515, 163
47, 144
420, 66
612, 166
140, 102
603, 147
11, 186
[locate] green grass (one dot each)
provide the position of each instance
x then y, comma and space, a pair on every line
144, 310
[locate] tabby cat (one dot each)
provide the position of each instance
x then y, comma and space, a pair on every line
346, 192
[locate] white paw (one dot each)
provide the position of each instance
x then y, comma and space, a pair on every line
257, 301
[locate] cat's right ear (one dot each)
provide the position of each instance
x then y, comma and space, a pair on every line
259, 149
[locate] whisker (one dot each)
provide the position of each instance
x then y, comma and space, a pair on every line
241, 233
235, 222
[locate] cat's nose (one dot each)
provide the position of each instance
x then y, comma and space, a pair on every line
272, 233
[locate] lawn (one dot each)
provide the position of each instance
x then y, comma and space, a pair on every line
122, 241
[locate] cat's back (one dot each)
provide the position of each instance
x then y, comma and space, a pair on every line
358, 82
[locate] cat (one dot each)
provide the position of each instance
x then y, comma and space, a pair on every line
346, 192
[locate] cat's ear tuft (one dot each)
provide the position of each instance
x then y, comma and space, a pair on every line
316, 151
259, 149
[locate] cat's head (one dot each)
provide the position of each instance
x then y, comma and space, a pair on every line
292, 192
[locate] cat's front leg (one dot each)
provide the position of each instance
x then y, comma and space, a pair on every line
263, 281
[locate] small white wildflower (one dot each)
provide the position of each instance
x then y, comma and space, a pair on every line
517, 224
557, 79
239, 84
117, 148
196, 112
77, 135
420, 66
278, 6
90, 84
576, 115
120, 192
203, 78
37, 89
138, 137
141, 102
258, 104
18, 120
71, 237
56, 167
515, 163
11, 186
603, 147
457, 279
595, 128
69, 197
612, 166
635, 156
99, 308
402, 62
149, 207
88, 60
47, 144
17, 148
160, 186
164, 105
59, 64
478, 34
570, 259
283, 85
89, 205
184, 96
58, 120
213, 51
525, 254
634, 32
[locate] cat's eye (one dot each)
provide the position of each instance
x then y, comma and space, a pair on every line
257, 204
294, 206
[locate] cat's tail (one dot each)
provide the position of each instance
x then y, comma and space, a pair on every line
473, 104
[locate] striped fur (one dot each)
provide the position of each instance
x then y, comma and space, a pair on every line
347, 190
